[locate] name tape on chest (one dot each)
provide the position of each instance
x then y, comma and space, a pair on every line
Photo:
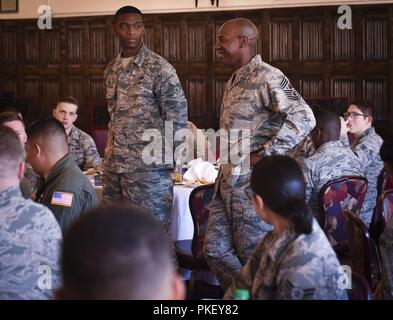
62, 198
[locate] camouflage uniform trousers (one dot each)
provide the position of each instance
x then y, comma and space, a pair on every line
234, 228
152, 190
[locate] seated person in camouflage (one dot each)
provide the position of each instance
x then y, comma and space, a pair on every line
81, 145
63, 187
29, 234
15, 122
295, 260
331, 159
118, 253
359, 119
385, 288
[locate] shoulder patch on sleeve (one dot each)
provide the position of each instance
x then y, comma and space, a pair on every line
62, 198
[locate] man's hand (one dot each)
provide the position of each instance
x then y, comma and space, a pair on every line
344, 128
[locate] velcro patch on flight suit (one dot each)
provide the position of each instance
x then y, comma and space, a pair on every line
62, 198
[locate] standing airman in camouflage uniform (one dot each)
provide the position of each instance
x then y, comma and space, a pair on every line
359, 117
258, 99
81, 145
330, 161
143, 92
29, 234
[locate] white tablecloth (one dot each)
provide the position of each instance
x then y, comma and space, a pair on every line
182, 227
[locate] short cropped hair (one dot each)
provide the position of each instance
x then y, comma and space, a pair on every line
116, 253
125, 10
328, 121
364, 105
48, 128
11, 151
68, 99
9, 116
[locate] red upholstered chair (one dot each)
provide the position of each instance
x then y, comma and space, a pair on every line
383, 212
199, 203
336, 196
363, 251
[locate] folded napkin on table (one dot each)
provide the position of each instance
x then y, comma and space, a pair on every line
201, 171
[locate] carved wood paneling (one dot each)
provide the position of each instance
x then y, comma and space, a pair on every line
148, 37
30, 53
96, 88
343, 43
375, 39
75, 86
304, 43
74, 44
196, 97
50, 45
171, 41
50, 94
9, 45
98, 44
311, 40
9, 85
311, 88
281, 39
197, 45
31, 91
376, 90
343, 88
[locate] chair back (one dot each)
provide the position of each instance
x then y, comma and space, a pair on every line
337, 195
362, 249
199, 203
360, 289
383, 212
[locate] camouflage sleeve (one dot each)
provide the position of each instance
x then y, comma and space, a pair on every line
299, 119
219, 249
91, 156
171, 99
345, 141
307, 172
363, 154
245, 277
386, 248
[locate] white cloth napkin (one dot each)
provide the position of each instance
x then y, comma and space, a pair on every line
200, 170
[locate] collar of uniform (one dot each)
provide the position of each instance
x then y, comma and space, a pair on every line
366, 132
281, 242
64, 163
8, 193
74, 133
138, 60
329, 144
246, 71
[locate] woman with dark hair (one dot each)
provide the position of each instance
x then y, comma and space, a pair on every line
294, 260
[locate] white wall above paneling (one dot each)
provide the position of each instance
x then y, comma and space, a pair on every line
70, 8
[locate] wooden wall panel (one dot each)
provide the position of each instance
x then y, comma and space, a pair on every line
50, 45
9, 45
196, 97
98, 44
75, 44
343, 43
343, 88
375, 39
197, 45
31, 47
171, 41
319, 59
281, 39
311, 88
311, 40
376, 90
